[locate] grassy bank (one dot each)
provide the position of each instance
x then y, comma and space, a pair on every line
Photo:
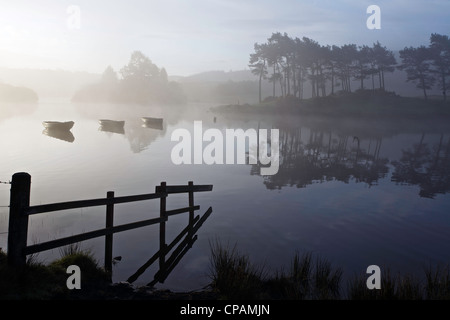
38, 281
360, 104
311, 277
233, 277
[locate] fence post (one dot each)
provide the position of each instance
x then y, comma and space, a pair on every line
109, 237
191, 201
191, 204
18, 218
162, 230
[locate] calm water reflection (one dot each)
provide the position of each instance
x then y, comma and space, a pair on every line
324, 156
357, 192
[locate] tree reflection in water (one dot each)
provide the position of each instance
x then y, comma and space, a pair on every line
323, 156
425, 166
319, 156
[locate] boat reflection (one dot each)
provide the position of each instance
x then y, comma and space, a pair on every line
65, 135
156, 126
112, 126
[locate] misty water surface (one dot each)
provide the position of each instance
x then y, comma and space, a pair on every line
357, 193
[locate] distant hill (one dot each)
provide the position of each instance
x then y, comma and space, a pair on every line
46, 82
220, 86
217, 76
242, 86
9, 93
210, 86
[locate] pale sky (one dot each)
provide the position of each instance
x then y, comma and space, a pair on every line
188, 37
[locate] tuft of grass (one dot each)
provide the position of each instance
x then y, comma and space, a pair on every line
73, 248
295, 284
308, 279
327, 280
397, 287
437, 283
233, 275
37, 281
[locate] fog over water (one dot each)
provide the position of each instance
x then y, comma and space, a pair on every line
356, 206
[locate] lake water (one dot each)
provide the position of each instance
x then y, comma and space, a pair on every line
355, 192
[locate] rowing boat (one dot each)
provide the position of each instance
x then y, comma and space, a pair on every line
57, 125
111, 123
149, 120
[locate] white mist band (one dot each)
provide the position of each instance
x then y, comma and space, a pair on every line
213, 152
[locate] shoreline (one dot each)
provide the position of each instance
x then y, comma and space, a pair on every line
361, 105
234, 277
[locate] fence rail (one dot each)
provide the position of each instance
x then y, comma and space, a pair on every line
89, 235
91, 203
20, 210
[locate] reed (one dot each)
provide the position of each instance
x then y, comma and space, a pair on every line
236, 277
393, 287
437, 285
233, 275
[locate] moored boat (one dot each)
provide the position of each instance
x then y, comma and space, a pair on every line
111, 123
152, 123
149, 120
57, 125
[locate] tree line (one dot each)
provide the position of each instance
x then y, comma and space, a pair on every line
288, 63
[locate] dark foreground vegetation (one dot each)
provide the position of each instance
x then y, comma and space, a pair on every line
37, 281
233, 277
311, 277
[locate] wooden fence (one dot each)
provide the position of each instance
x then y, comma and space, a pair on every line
20, 210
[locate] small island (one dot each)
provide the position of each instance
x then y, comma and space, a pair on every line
361, 104
308, 78
141, 82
